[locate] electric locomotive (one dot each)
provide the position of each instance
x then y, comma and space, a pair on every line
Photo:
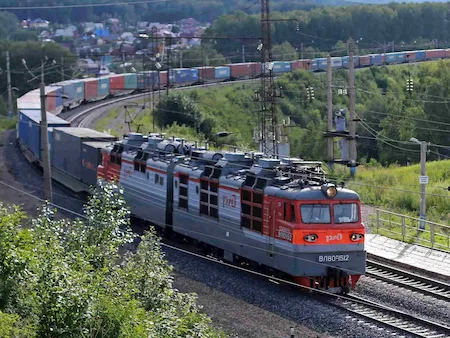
281, 214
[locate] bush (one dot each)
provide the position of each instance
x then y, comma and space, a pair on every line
67, 277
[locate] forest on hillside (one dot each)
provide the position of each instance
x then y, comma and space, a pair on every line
202, 10
372, 27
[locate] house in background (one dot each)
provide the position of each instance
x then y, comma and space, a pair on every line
38, 24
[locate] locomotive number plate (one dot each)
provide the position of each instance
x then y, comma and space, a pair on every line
334, 258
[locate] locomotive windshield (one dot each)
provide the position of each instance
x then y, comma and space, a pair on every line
346, 213
320, 213
315, 213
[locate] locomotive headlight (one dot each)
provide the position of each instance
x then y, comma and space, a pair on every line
356, 237
311, 238
329, 190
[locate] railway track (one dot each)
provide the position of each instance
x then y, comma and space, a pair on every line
360, 308
408, 280
395, 319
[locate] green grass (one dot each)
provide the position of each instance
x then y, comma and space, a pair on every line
6, 123
397, 189
103, 123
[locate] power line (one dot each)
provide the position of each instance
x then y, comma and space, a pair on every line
84, 5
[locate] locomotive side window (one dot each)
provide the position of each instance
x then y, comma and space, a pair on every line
315, 213
289, 212
183, 196
346, 213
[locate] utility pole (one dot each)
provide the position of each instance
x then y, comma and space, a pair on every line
168, 63
44, 141
181, 59
302, 51
243, 53
423, 173
353, 154
9, 87
330, 110
62, 69
423, 179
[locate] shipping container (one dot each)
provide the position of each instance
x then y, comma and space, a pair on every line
30, 129
91, 90
116, 84
74, 90
364, 61
222, 73
336, 62
181, 76
244, 70
345, 60
90, 160
147, 80
278, 67
395, 57
376, 60
447, 53
433, 54
420, 55
314, 65
301, 64
67, 148
322, 63
410, 56
130, 81
103, 87
206, 73
32, 100
163, 79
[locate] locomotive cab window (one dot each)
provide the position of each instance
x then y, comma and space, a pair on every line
315, 213
346, 213
289, 212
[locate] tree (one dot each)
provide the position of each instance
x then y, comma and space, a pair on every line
205, 55
9, 24
69, 278
178, 108
284, 52
33, 52
23, 35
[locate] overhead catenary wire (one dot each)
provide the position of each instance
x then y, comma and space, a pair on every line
106, 4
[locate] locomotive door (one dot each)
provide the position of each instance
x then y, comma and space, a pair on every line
274, 215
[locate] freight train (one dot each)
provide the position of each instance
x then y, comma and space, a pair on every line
72, 93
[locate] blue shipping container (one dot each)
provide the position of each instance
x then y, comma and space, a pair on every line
376, 60
322, 64
30, 129
314, 64
183, 75
222, 73
59, 98
147, 80
103, 86
395, 57
74, 89
281, 67
130, 81
420, 55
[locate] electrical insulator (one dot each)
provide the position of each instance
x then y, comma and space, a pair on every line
312, 92
410, 85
